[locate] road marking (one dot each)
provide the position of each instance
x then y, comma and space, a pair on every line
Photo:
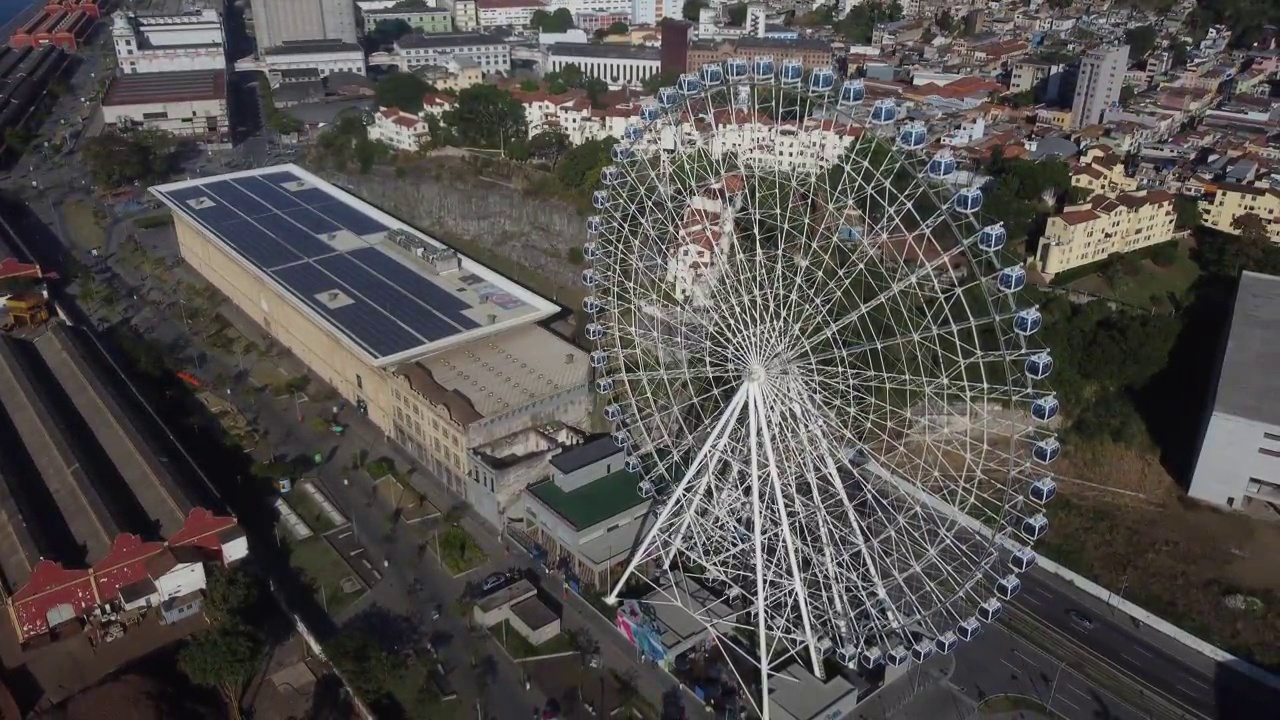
1197, 682
1144, 652
1085, 694
1011, 667
1030, 599
1068, 702
1128, 657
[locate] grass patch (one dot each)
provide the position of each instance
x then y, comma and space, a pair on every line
325, 570
82, 226
519, 648
309, 510
458, 551
382, 467
1000, 704
1149, 285
151, 222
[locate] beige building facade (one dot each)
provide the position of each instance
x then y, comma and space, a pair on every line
1101, 170
1093, 231
1230, 201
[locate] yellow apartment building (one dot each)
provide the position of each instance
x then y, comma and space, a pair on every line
1093, 230
1231, 201
1102, 171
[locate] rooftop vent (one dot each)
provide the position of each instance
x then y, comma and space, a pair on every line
568, 358
492, 319
439, 260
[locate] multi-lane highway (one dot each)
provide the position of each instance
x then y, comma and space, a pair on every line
1134, 665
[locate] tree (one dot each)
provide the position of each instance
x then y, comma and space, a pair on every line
386, 32
223, 658
693, 9
549, 146
401, 90
487, 116
579, 170
366, 667
1141, 41
945, 21
1188, 213
1126, 94
659, 80
529, 85
1223, 255
411, 5
858, 25
554, 22
1178, 54
230, 597
618, 28
736, 14
596, 89
1250, 227
124, 156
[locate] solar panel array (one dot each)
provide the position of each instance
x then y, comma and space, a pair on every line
287, 229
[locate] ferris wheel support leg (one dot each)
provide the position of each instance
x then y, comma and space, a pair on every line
797, 578
758, 521
730, 414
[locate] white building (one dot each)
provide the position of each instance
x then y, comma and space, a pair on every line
188, 104
502, 469
623, 7
506, 13
401, 130
1239, 462
324, 56
617, 65
489, 52
169, 43
465, 18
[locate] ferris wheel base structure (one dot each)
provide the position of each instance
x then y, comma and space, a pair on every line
803, 328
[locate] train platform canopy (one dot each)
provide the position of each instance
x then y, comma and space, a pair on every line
386, 290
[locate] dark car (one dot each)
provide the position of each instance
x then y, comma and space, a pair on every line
1080, 620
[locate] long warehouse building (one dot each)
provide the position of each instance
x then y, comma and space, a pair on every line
442, 353
88, 496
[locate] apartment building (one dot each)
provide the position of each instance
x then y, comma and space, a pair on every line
1101, 170
424, 20
401, 130
489, 53
1230, 200
1098, 85
506, 13
1092, 231
1042, 78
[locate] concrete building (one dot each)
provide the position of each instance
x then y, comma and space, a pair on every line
519, 606
455, 74
489, 53
169, 43
440, 352
401, 130
1239, 461
1037, 76
424, 20
799, 695
276, 22
506, 13
1098, 84
1094, 230
323, 56
99, 515
618, 66
811, 52
189, 104
502, 469
465, 16
587, 515
1230, 200
1102, 171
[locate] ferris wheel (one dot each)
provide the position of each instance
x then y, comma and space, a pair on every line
812, 349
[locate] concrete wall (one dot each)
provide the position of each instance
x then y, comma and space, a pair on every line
573, 480
329, 359
1230, 455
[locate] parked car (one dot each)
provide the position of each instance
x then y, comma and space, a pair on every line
437, 611
493, 582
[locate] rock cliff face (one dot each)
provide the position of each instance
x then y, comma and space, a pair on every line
489, 213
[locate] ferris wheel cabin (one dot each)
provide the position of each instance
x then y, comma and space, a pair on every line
645, 489
968, 201
612, 412
821, 81
689, 84
883, 112
941, 166
622, 438
922, 651
604, 385
870, 658
649, 113
711, 74
590, 250
913, 137
1022, 560
736, 69
992, 237
611, 174
632, 463
1045, 409
668, 97
1043, 490
592, 305
849, 234
600, 199
1008, 586
946, 642
595, 224
589, 277
852, 92
897, 657
990, 610
762, 69
1039, 366
620, 153
969, 629
791, 73
1035, 526
1012, 279
595, 331
1027, 322
1046, 450
599, 359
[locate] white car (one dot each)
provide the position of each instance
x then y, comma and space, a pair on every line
493, 582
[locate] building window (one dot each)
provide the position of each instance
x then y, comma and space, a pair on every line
359, 382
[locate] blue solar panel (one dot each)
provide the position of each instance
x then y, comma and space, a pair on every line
256, 244
271, 193
393, 300
348, 217
363, 322
414, 284
241, 201
317, 224
296, 237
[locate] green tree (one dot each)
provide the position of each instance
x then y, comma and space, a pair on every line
486, 116
367, 668
618, 28
659, 80
223, 658
553, 22
549, 146
596, 90
1187, 211
858, 25
401, 90
1178, 53
946, 22
529, 85
230, 597
386, 32
1141, 41
411, 5
1222, 255
124, 156
693, 9
1250, 227
579, 170
736, 14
